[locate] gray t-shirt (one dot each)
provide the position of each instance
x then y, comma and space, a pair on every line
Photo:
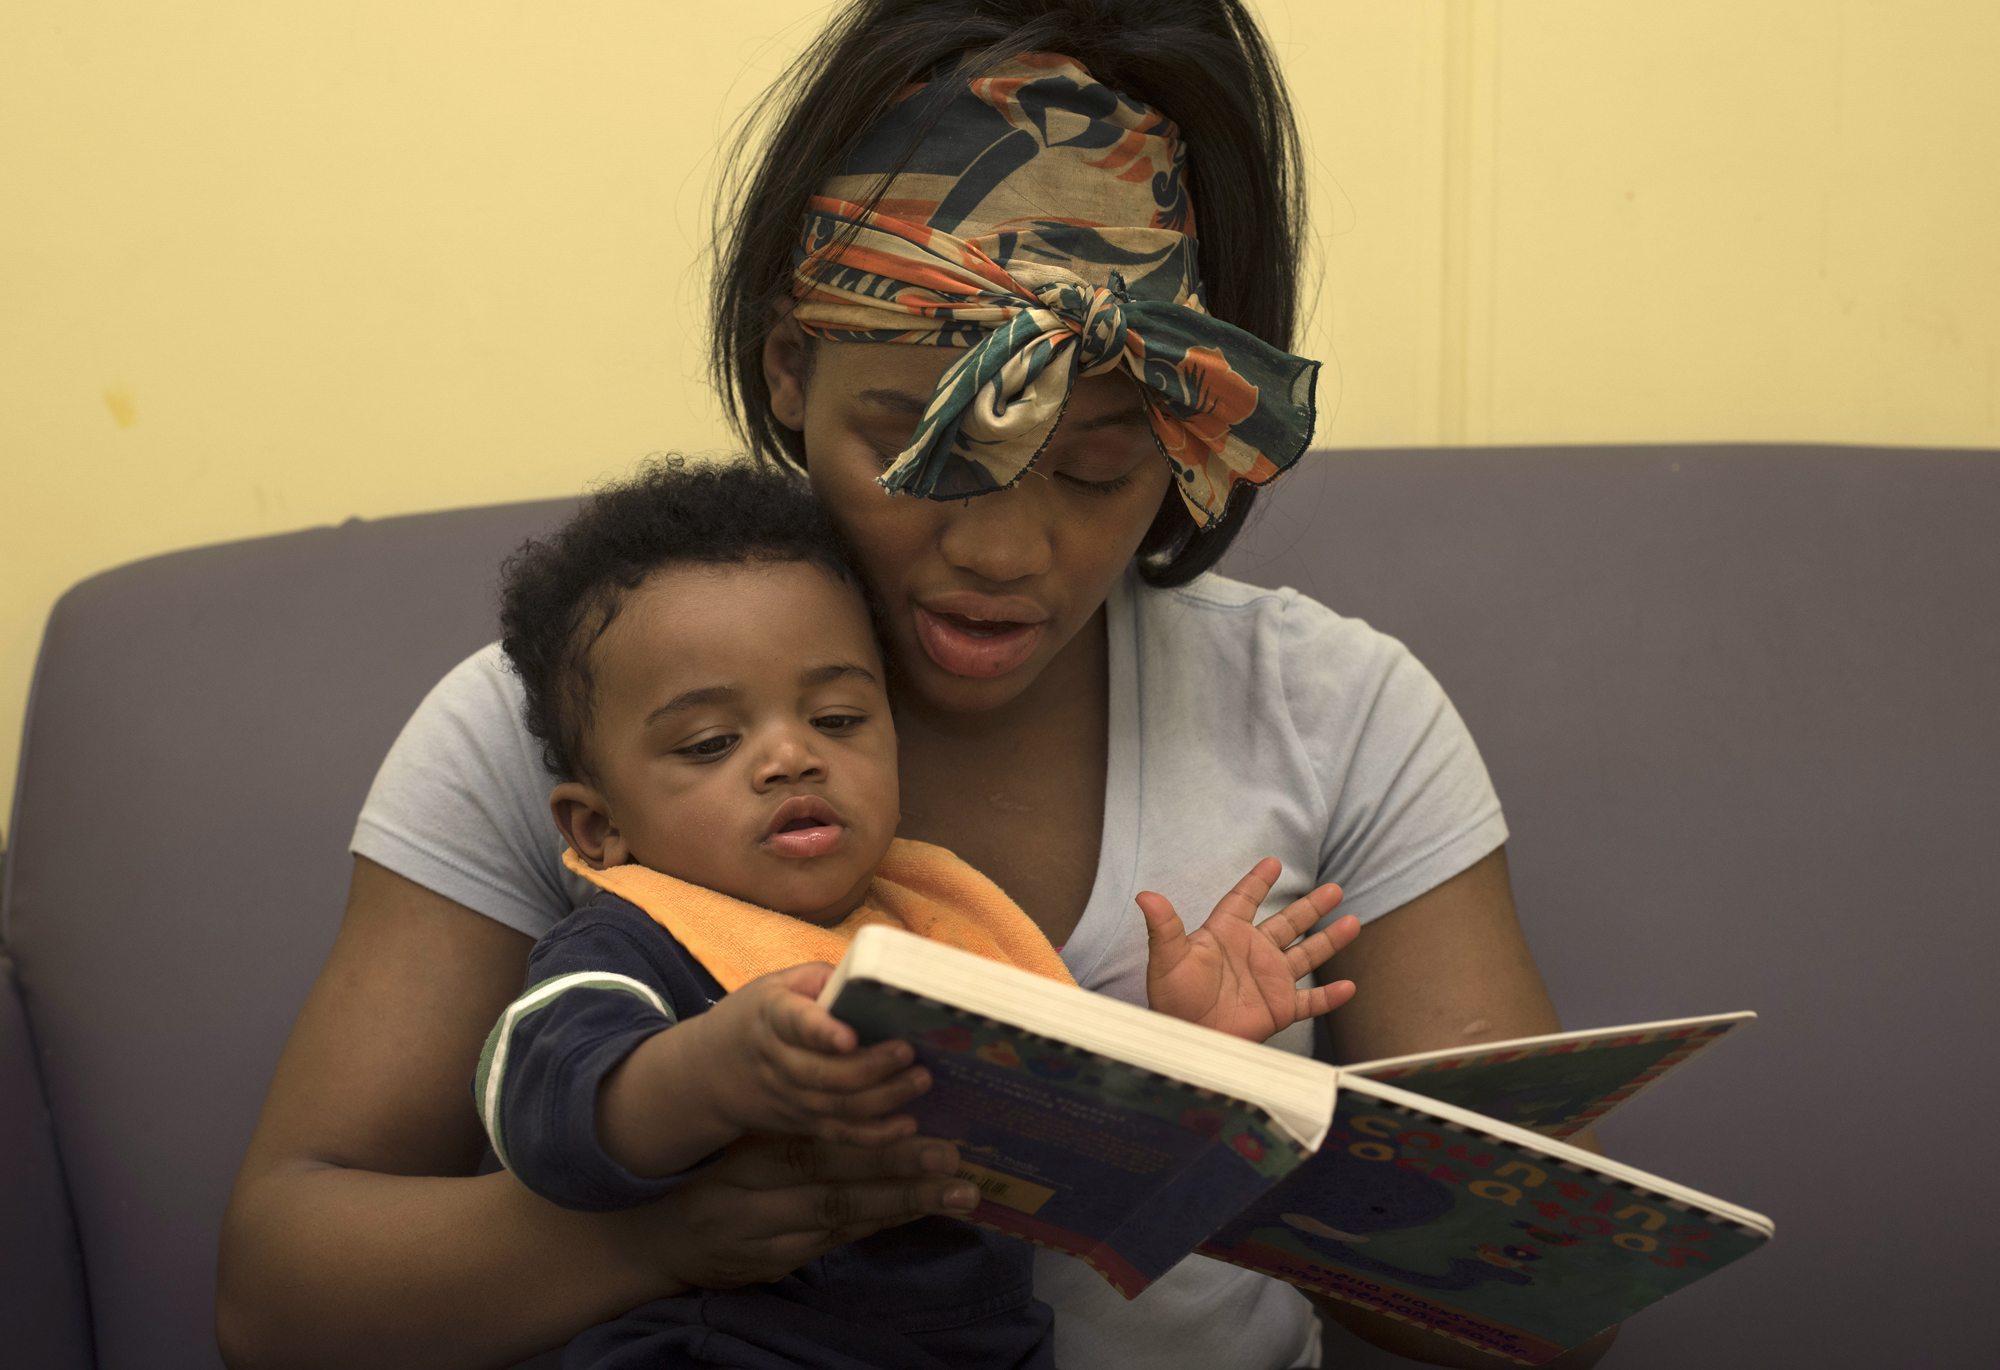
1244, 723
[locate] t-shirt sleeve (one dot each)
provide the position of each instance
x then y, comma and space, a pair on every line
460, 804
597, 989
1408, 800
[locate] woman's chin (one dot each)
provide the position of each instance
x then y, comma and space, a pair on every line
925, 684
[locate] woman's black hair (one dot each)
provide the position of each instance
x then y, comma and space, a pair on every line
558, 594
1200, 62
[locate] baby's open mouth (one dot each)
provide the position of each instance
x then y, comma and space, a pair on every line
804, 826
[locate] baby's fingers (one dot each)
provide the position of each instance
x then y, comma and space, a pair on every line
873, 1132
1251, 891
1308, 954
861, 1116
805, 1071
1166, 940
1323, 998
1291, 922
797, 1020
871, 1117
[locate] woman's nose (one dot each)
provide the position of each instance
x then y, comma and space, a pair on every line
1002, 536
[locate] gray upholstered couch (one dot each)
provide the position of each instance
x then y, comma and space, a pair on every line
1740, 704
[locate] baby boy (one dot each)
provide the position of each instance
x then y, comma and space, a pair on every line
700, 667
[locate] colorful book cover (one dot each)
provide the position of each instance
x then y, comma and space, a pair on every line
1119, 1166
1483, 1238
1556, 1085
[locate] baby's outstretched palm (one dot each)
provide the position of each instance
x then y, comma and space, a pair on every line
1240, 976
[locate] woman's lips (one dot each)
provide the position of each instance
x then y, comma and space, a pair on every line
969, 645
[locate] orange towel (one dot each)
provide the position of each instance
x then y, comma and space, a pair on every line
919, 887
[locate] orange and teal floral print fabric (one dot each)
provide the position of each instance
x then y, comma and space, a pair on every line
1042, 224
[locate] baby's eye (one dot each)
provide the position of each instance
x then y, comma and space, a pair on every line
709, 748
839, 723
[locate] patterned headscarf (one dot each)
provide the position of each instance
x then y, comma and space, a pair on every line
1043, 223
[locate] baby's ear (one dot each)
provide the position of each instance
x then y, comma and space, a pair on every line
584, 816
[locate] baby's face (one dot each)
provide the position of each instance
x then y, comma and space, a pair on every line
741, 735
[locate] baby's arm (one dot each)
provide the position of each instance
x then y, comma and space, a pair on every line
598, 1091
1240, 976
767, 1058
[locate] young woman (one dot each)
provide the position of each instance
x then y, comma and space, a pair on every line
966, 266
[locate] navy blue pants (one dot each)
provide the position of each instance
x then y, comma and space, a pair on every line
930, 1295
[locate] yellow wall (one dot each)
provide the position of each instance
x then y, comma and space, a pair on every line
269, 265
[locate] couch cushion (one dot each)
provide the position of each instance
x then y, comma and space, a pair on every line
205, 726
1742, 705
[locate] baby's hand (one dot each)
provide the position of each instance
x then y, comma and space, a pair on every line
787, 1065
1242, 977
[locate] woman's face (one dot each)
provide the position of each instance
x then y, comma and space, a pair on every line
980, 595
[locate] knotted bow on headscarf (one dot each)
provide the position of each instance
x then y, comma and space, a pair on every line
960, 249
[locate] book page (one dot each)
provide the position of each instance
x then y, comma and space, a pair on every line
1557, 1084
1296, 1091
1496, 1237
1117, 1165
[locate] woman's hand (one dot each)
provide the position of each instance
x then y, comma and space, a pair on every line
767, 1205
1240, 976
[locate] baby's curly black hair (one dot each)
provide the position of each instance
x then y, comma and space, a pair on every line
558, 594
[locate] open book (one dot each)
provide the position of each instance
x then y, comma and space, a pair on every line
1435, 1188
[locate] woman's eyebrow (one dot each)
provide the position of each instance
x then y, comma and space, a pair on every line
900, 401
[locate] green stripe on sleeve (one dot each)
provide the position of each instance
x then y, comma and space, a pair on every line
490, 1076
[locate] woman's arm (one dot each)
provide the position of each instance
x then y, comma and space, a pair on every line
356, 1235
1449, 968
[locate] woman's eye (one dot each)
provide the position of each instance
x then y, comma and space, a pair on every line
1105, 466
708, 748
1094, 487
886, 445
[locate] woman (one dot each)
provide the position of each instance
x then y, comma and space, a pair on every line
1081, 711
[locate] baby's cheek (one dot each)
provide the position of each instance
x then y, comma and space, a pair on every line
883, 792
694, 834
704, 829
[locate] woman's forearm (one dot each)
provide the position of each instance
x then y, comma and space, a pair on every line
337, 1251
325, 1266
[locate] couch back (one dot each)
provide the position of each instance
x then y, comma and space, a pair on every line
1739, 703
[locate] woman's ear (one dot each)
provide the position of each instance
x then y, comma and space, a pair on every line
584, 816
785, 366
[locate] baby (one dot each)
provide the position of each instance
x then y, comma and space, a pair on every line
701, 669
